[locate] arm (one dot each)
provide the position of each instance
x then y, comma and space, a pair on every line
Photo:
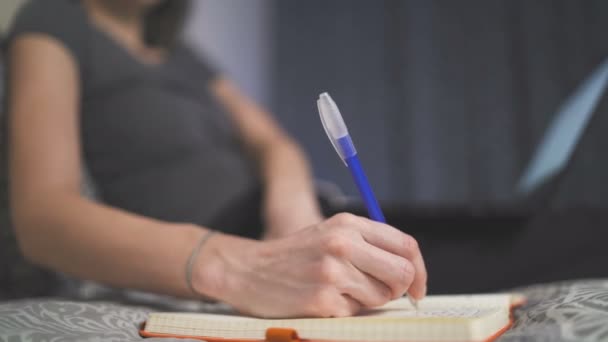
55, 226
328, 269
290, 200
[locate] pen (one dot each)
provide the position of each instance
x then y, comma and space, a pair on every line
336, 131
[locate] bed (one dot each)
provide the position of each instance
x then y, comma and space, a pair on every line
566, 311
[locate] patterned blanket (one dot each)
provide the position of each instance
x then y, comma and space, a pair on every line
569, 311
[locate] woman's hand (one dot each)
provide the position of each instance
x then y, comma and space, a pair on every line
331, 269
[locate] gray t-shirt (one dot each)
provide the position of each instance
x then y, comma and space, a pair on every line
153, 138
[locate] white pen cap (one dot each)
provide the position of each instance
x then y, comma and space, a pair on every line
334, 125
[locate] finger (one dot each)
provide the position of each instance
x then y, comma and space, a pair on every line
331, 303
394, 241
395, 272
379, 234
365, 289
418, 287
348, 307
391, 240
388, 238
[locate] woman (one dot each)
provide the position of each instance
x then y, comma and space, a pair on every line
174, 149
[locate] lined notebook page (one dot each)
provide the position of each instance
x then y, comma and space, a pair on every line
438, 318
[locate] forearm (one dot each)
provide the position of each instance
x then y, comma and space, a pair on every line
290, 199
75, 236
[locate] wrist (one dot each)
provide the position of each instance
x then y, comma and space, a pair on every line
206, 275
218, 267
193, 258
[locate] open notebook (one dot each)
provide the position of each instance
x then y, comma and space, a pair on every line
438, 318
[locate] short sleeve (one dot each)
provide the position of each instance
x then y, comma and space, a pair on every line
62, 20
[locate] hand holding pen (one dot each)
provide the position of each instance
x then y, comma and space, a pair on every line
337, 132
331, 269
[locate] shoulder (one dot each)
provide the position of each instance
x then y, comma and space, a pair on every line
49, 14
65, 21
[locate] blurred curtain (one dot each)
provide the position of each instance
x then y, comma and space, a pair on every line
444, 99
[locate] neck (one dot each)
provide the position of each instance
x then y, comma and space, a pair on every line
118, 18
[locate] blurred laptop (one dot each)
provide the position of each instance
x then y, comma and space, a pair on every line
538, 183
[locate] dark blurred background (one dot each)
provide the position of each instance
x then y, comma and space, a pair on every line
446, 100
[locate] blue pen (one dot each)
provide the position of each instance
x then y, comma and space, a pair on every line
338, 135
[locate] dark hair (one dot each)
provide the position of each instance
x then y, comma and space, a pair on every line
164, 22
